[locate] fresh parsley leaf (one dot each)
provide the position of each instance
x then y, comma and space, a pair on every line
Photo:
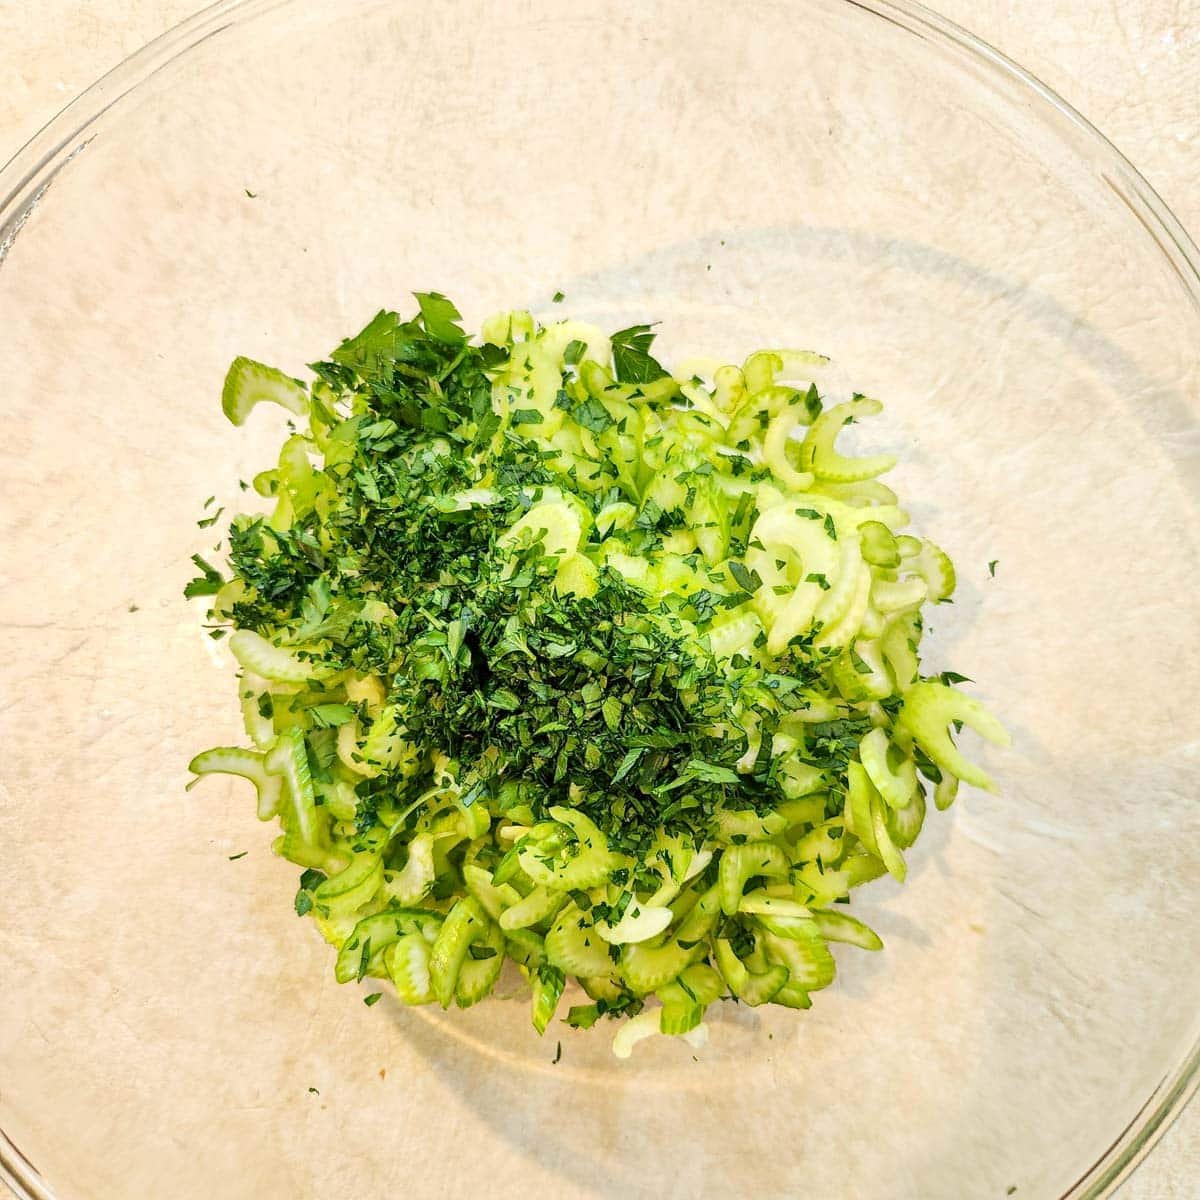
749, 581
328, 716
373, 998
632, 362
992, 568
952, 677
209, 583
373, 351
440, 317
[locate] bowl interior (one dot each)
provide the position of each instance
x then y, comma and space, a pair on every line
803, 174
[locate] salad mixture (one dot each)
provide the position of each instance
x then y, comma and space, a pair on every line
553, 656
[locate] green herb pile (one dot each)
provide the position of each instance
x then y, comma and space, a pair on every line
547, 654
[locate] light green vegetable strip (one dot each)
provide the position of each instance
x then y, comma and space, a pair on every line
289, 758
363, 952
740, 863
548, 983
574, 945
249, 383
898, 786
480, 969
550, 655
272, 662
751, 987
818, 454
411, 883
230, 760
537, 906
408, 963
351, 887
927, 711
842, 927
465, 925
685, 999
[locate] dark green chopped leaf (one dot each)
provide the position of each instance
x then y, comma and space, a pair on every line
235, 857
205, 522
373, 998
747, 580
992, 568
818, 578
574, 352
631, 355
558, 1052
812, 402
209, 583
830, 527
627, 764
558, 297
592, 415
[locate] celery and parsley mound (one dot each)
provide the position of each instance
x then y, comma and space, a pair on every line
549, 655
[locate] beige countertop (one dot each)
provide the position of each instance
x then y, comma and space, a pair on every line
1131, 66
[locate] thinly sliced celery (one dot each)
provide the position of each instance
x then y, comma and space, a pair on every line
248, 383
929, 707
230, 760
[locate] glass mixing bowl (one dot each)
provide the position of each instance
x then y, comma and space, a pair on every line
858, 177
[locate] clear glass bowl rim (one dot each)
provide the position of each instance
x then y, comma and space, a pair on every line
27, 175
